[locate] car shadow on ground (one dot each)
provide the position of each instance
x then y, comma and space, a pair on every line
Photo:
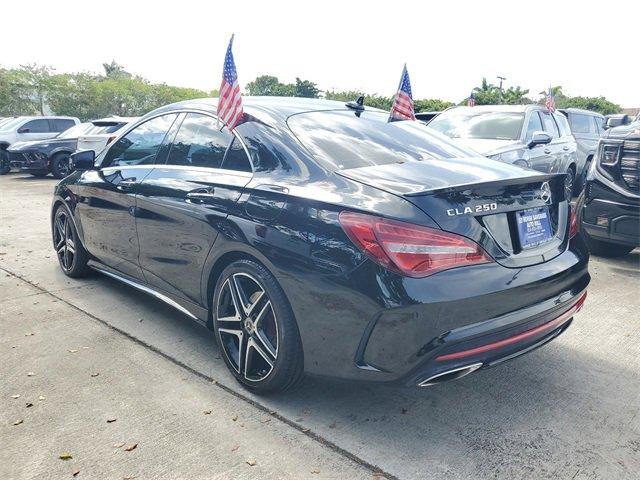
553, 408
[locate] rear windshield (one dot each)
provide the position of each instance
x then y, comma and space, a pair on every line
468, 123
107, 127
342, 139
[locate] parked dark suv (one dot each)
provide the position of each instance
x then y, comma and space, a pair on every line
319, 237
609, 207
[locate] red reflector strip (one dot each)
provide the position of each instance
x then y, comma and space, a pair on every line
517, 338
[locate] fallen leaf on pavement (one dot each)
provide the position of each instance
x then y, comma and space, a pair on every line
29, 404
41, 397
234, 418
251, 462
72, 350
131, 447
29, 334
18, 422
119, 445
75, 474
207, 412
17, 395
128, 478
95, 374
65, 456
235, 447
111, 420
30, 374
315, 472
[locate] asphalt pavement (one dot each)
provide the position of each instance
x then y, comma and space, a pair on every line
567, 410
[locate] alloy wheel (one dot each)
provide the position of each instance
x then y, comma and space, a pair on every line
64, 241
63, 167
247, 327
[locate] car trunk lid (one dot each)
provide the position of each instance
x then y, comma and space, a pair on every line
482, 200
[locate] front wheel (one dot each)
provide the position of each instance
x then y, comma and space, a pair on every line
256, 330
60, 165
72, 256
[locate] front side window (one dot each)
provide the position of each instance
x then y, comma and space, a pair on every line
140, 145
580, 123
479, 124
199, 142
36, 126
534, 125
599, 124
549, 124
341, 139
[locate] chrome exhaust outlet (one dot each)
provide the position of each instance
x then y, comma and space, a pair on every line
450, 375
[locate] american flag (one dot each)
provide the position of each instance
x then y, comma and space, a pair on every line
402, 108
230, 101
550, 101
472, 100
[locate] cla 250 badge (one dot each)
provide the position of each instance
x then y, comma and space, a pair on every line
485, 207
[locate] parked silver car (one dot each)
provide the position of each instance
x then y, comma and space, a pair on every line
525, 135
586, 127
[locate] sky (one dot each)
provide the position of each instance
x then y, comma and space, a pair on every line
586, 46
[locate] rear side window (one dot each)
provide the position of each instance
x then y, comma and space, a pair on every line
341, 139
36, 126
236, 158
140, 145
62, 124
563, 125
199, 143
549, 124
581, 123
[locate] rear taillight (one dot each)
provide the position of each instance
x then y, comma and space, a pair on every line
408, 249
573, 222
110, 139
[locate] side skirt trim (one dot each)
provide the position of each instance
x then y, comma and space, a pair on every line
147, 290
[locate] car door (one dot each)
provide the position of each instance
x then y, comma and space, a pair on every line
36, 129
183, 204
539, 156
107, 203
554, 150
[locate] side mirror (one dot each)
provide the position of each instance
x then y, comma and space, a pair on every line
24, 130
539, 138
613, 122
84, 160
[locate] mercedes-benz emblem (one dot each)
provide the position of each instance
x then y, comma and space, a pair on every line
545, 193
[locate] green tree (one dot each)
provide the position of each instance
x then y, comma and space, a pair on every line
306, 88
115, 70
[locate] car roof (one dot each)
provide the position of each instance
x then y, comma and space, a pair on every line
500, 108
115, 119
263, 108
581, 111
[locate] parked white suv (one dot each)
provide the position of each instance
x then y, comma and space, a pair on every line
24, 129
112, 127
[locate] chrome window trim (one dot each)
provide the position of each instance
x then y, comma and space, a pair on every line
221, 171
147, 290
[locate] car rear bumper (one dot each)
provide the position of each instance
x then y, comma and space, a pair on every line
375, 326
610, 216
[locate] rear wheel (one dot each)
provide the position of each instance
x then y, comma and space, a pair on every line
71, 254
60, 165
4, 162
599, 247
256, 330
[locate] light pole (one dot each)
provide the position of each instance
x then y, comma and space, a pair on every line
501, 79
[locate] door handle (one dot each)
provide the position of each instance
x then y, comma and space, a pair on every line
201, 195
127, 184
547, 151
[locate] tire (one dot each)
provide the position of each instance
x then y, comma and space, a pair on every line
72, 256
39, 174
570, 182
599, 247
4, 163
60, 165
256, 330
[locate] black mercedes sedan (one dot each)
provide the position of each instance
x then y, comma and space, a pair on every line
318, 238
